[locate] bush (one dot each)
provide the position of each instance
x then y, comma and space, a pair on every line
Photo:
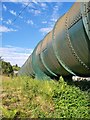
45, 99
6, 68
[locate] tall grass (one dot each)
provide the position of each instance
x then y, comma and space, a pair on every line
24, 97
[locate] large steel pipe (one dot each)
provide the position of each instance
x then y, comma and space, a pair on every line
66, 49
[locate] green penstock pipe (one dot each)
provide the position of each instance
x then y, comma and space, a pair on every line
66, 49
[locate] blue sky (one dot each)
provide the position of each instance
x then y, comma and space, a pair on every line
20, 37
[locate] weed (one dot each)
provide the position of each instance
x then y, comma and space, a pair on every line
43, 99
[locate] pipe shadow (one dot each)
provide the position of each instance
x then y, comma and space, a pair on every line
84, 85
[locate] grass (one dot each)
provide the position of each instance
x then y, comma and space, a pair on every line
24, 97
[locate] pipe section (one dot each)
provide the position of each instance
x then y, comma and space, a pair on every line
66, 49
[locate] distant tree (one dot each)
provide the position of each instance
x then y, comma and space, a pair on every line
6, 68
1, 59
16, 67
1, 64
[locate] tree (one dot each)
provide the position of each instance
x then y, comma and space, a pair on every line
16, 67
0, 64
6, 68
1, 59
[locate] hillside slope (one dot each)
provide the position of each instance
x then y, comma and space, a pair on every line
23, 97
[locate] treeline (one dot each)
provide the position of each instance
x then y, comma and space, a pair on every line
7, 69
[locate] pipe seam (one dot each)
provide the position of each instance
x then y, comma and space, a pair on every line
71, 47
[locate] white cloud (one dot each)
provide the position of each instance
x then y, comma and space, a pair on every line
35, 1
43, 4
30, 22
32, 7
9, 21
53, 18
44, 22
21, 17
13, 12
1, 19
55, 15
5, 29
27, 2
45, 30
15, 55
13, 0
4, 7
36, 12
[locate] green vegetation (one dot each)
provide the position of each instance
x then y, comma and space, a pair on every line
26, 97
16, 67
6, 68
